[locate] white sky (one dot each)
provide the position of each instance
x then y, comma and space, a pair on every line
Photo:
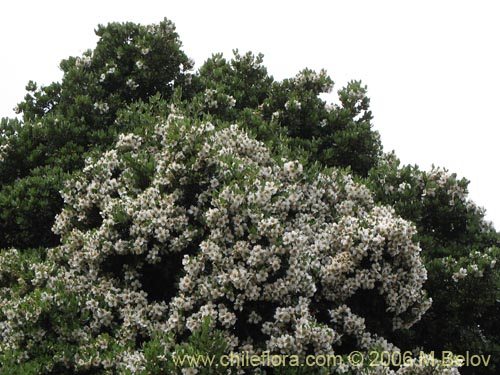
432, 67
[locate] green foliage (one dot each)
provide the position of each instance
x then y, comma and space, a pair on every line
28, 207
130, 62
334, 135
453, 235
340, 136
204, 342
244, 78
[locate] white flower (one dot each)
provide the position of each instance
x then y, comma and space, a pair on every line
139, 64
101, 107
461, 274
131, 83
4, 148
231, 101
293, 104
404, 186
128, 142
83, 62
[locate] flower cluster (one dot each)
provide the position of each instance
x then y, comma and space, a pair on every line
213, 99
131, 84
83, 62
4, 148
102, 107
427, 183
477, 264
292, 104
309, 77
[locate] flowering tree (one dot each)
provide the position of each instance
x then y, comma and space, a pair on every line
194, 222
223, 210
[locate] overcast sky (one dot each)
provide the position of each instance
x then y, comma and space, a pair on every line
432, 67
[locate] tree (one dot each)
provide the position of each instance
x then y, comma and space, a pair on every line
224, 195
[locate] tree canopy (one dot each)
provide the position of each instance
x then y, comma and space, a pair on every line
148, 209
